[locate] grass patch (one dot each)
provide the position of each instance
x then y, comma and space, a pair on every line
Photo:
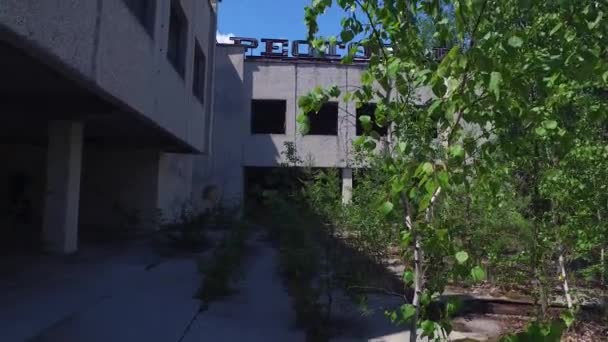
221, 269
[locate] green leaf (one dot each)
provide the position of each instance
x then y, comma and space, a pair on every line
541, 131
428, 328
568, 317
425, 299
605, 77
365, 119
393, 68
515, 41
392, 315
303, 123
407, 311
366, 77
478, 274
359, 141
443, 178
397, 186
550, 124
402, 146
434, 106
406, 239
462, 257
334, 91
452, 306
408, 277
555, 29
369, 144
386, 208
457, 151
442, 234
427, 168
346, 36
495, 82
593, 24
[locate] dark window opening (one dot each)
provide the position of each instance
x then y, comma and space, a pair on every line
369, 109
198, 83
145, 12
178, 33
325, 122
268, 116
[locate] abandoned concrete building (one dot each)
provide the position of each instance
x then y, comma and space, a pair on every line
256, 98
124, 112
106, 114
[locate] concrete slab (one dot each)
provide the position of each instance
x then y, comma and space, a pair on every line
260, 311
93, 297
156, 306
110, 294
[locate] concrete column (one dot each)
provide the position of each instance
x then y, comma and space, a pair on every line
347, 185
64, 158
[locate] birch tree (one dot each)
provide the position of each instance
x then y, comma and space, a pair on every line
529, 75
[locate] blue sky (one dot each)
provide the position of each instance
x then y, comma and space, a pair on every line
272, 19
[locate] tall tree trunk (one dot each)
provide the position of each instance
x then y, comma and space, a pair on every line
603, 263
565, 281
417, 287
602, 255
418, 256
417, 267
540, 299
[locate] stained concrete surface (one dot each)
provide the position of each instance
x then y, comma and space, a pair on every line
259, 311
102, 294
112, 294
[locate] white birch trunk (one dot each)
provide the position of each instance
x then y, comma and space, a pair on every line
418, 255
565, 282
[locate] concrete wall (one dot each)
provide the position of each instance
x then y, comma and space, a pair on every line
101, 44
117, 186
238, 81
147, 184
289, 81
231, 125
174, 185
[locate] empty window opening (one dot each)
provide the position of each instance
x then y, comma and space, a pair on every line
325, 122
145, 12
178, 33
369, 109
268, 116
198, 82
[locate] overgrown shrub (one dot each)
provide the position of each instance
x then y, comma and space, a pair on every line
220, 270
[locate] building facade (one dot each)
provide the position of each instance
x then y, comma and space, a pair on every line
257, 101
106, 114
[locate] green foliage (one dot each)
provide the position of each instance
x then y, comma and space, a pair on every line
220, 270
462, 257
515, 122
189, 232
296, 231
539, 332
478, 274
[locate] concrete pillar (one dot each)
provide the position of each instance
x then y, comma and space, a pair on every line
347, 185
64, 159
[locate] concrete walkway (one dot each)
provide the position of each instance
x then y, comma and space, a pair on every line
260, 311
109, 294
100, 295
